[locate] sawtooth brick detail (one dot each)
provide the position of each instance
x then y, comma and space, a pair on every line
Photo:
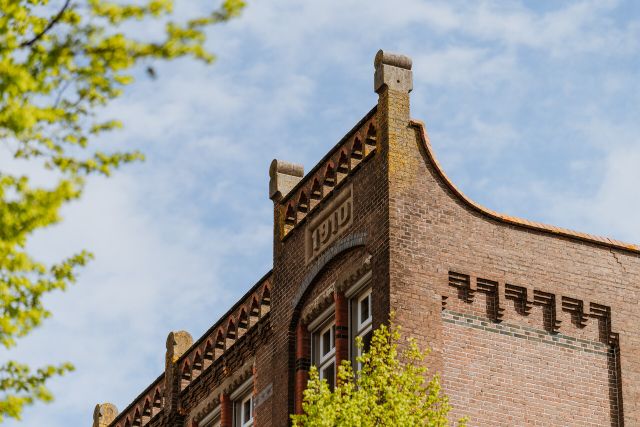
528, 324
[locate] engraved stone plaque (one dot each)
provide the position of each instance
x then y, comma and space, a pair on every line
328, 224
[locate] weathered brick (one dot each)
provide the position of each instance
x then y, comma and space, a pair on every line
528, 324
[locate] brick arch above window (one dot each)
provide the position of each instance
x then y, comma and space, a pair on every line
343, 245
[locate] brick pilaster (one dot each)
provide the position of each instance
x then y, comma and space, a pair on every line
226, 411
342, 328
303, 362
397, 140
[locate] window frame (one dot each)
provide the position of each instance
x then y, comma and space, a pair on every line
248, 398
361, 326
212, 419
330, 328
355, 294
238, 398
325, 322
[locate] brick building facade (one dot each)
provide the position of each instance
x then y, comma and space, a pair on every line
528, 324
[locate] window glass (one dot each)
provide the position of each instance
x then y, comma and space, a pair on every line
360, 325
326, 342
243, 409
323, 351
365, 305
329, 373
366, 341
247, 413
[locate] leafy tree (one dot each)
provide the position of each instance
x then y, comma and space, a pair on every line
60, 62
391, 389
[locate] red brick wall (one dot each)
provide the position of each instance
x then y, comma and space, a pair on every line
290, 271
512, 377
549, 338
434, 231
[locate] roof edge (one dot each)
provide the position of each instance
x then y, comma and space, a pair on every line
225, 316
511, 220
327, 156
195, 344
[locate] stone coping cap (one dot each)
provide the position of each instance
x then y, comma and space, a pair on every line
393, 59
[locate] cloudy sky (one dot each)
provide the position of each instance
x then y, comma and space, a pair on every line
532, 109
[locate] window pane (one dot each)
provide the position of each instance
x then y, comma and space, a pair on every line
364, 309
329, 374
246, 411
326, 342
366, 341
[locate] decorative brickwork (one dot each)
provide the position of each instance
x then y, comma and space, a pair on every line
523, 300
345, 158
528, 324
196, 358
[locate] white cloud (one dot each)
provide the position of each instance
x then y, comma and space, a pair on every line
611, 209
460, 65
179, 237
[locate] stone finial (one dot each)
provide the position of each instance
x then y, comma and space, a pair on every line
283, 177
394, 71
104, 414
178, 342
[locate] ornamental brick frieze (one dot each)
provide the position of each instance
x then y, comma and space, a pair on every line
347, 278
558, 311
317, 306
209, 403
186, 363
319, 185
351, 275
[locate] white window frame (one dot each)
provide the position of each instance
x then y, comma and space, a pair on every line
366, 324
360, 327
242, 395
356, 293
319, 327
329, 329
212, 419
248, 399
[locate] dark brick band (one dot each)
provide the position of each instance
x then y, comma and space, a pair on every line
303, 363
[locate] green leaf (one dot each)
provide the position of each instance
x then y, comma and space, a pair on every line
391, 389
58, 68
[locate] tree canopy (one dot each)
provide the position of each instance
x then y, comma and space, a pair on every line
60, 63
391, 389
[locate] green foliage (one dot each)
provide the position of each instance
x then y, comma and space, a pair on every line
60, 62
391, 389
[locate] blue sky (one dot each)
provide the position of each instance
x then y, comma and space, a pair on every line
532, 109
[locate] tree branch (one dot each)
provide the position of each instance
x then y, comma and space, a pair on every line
46, 29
